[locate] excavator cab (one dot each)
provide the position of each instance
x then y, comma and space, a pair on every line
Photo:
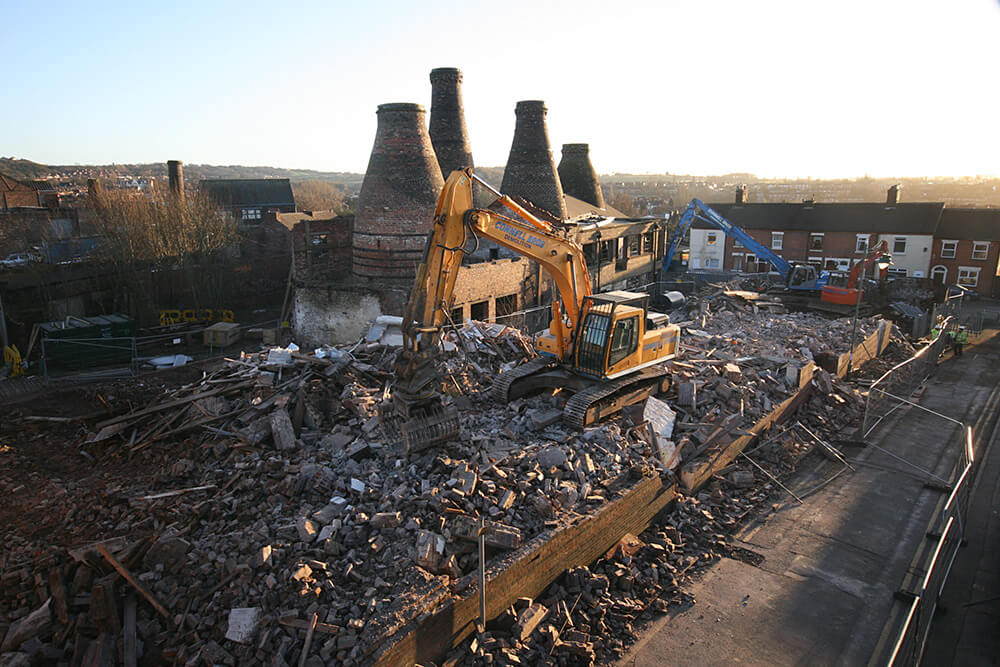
618, 334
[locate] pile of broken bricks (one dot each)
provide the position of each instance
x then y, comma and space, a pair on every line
280, 512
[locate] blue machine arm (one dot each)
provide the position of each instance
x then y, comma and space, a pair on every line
697, 209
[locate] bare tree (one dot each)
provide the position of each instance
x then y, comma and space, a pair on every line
153, 240
319, 196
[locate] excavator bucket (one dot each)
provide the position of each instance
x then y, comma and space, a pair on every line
431, 428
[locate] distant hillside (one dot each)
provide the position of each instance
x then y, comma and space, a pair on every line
26, 169
22, 169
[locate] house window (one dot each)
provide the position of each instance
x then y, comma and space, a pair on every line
815, 241
506, 305
590, 253
899, 245
647, 243
896, 273
837, 264
633, 246
816, 261
948, 249
711, 238
968, 276
608, 250
777, 240
939, 274
250, 214
737, 243
980, 249
862, 243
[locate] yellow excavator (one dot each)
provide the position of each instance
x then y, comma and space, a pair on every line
605, 350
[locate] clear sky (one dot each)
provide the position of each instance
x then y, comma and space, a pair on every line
777, 88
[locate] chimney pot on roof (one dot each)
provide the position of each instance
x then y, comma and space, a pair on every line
531, 170
892, 196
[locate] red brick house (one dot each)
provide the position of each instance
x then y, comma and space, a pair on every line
967, 249
829, 235
15, 193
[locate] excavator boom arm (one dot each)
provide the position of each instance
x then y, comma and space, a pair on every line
456, 219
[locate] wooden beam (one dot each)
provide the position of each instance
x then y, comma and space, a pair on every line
132, 580
173, 404
526, 573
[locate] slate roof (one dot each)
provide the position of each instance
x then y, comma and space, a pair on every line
970, 224
862, 218
250, 191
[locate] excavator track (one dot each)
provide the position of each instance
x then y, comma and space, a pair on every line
602, 399
501, 386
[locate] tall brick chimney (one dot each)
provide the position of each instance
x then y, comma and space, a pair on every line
577, 175
531, 170
398, 196
175, 175
741, 194
94, 191
892, 196
449, 135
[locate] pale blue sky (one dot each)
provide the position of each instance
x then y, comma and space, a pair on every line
797, 88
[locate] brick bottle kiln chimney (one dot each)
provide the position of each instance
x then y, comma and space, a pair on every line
741, 194
449, 135
531, 170
175, 176
892, 196
398, 196
577, 175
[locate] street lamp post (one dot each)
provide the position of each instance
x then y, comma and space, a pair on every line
883, 264
597, 246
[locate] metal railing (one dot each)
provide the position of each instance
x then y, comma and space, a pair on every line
948, 529
894, 389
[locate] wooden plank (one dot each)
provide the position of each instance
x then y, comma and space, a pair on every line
527, 572
173, 404
132, 580
129, 638
300, 624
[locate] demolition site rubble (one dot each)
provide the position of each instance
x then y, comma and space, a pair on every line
259, 515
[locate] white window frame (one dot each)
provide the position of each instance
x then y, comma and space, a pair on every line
949, 248
737, 243
944, 270
867, 243
980, 247
972, 277
895, 272
815, 235
843, 263
896, 240
777, 240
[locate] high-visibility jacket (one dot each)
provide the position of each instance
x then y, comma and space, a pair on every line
935, 332
962, 337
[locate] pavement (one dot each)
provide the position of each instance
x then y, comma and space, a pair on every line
824, 591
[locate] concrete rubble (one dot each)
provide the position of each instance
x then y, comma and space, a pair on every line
277, 503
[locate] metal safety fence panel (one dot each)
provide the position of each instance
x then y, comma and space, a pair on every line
81, 359
896, 386
948, 531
